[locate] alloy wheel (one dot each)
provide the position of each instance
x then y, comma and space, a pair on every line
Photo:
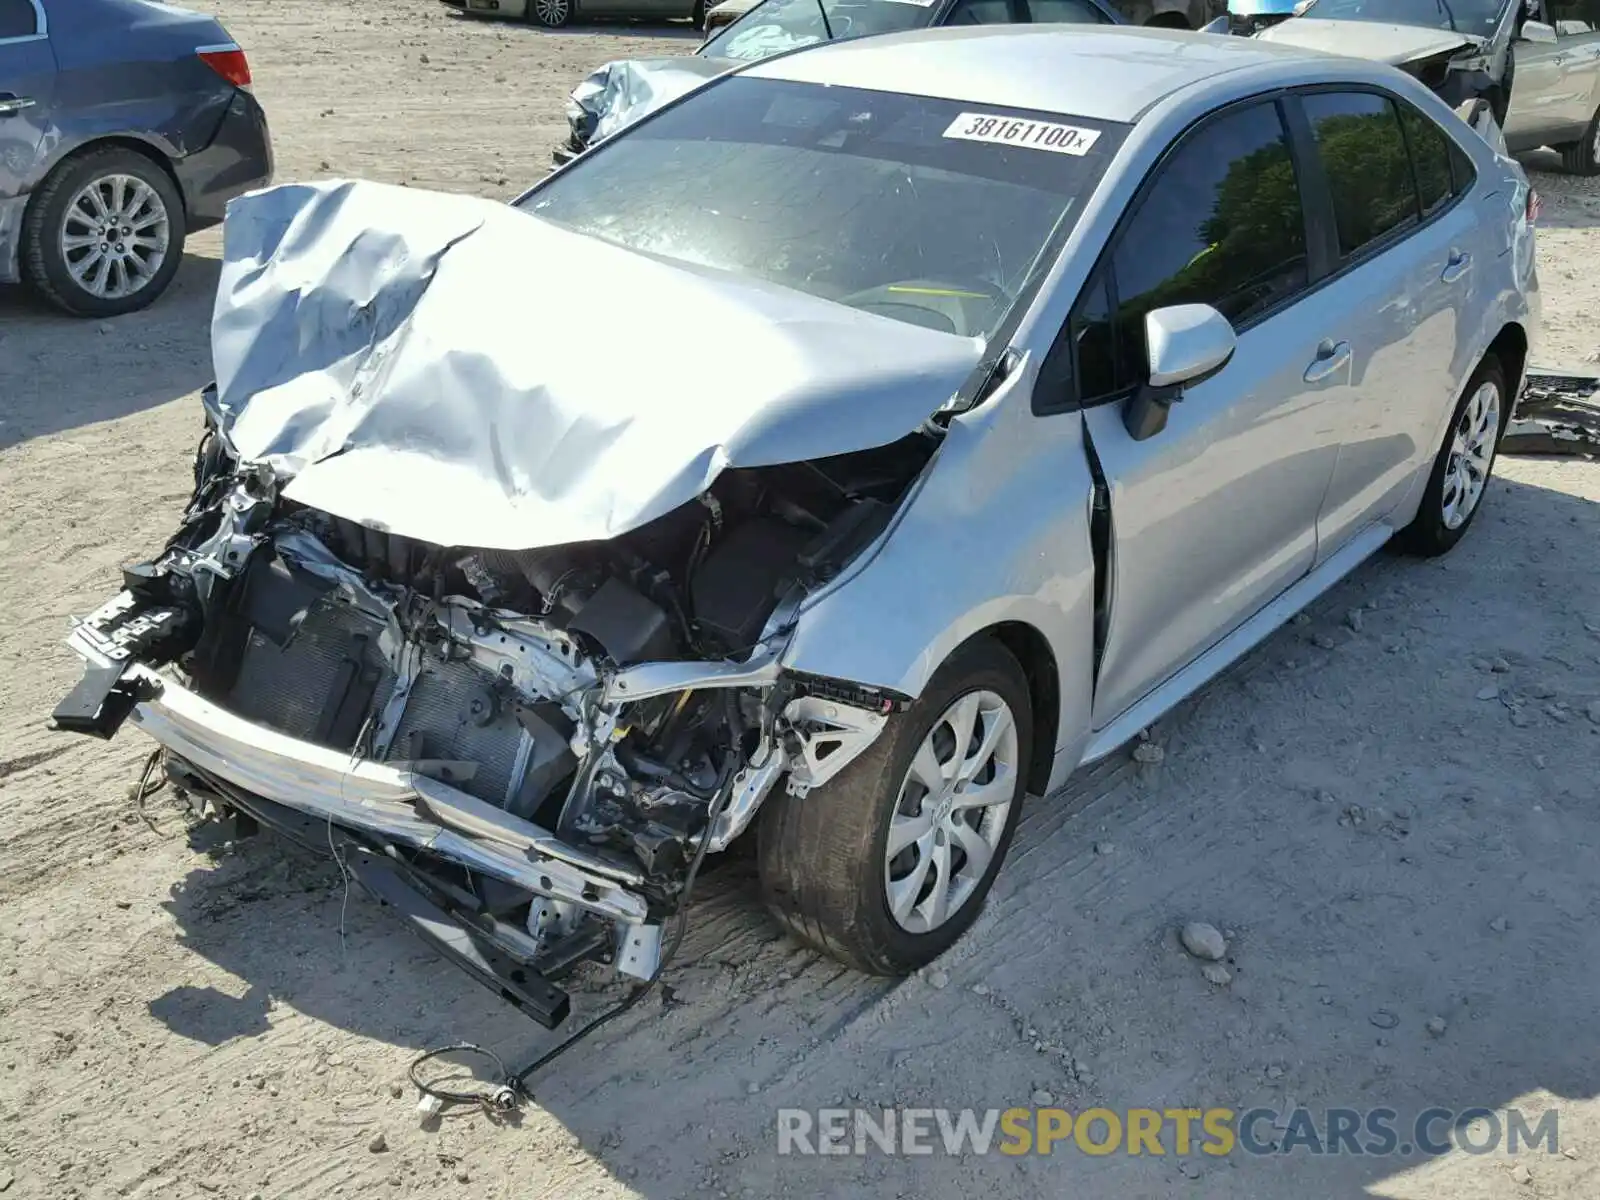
552, 12
1472, 444
115, 236
951, 811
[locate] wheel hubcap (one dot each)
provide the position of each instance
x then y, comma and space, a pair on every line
1472, 444
951, 812
115, 236
551, 12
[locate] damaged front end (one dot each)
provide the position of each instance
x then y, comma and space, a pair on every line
534, 745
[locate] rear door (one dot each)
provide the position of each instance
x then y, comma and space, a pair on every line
27, 92
1214, 516
1410, 258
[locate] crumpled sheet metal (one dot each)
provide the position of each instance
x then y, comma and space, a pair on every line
625, 90
462, 372
1557, 414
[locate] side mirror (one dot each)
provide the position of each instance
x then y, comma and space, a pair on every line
1539, 33
1185, 344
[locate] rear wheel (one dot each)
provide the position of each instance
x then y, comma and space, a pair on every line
1582, 157
552, 14
104, 234
1461, 471
885, 866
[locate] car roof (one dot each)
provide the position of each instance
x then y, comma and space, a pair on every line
1108, 73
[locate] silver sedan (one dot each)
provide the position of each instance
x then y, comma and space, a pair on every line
1054, 370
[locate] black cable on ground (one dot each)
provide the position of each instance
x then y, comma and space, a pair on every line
488, 1099
517, 1083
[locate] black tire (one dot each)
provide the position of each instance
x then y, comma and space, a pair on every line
822, 857
1579, 158
551, 14
698, 16
44, 263
1429, 534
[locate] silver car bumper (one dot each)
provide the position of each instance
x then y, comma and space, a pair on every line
385, 801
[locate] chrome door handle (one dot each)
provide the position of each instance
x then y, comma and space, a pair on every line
14, 104
1332, 357
1460, 263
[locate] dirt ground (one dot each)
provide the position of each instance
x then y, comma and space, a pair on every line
184, 1018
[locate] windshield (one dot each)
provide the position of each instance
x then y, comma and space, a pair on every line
932, 212
779, 25
1477, 17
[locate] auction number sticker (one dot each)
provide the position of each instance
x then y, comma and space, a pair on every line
1014, 131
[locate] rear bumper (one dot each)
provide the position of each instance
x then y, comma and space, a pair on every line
238, 160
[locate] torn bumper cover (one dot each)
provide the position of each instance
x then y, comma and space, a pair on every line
1558, 413
510, 629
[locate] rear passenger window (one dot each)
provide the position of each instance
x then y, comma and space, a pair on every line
979, 12
17, 19
1064, 12
1364, 157
1430, 158
1221, 224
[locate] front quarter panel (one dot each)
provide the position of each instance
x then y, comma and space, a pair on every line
997, 532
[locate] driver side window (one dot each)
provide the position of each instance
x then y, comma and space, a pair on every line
1221, 224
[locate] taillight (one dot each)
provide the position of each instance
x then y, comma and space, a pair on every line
1535, 206
228, 61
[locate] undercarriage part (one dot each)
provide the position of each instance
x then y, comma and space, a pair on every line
826, 737
1557, 414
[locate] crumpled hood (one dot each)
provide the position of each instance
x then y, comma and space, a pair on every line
621, 92
459, 371
1393, 44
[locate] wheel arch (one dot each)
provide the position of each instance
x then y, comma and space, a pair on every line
1510, 346
1029, 646
1168, 19
149, 150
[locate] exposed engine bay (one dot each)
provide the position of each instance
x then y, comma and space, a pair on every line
583, 721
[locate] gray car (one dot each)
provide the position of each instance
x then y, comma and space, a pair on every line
125, 125
1536, 62
1061, 367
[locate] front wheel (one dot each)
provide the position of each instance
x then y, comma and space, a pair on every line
1460, 473
885, 866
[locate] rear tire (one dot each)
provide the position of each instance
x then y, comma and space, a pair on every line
826, 873
117, 194
1461, 470
1583, 157
552, 14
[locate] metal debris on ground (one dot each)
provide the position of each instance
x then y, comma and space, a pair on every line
1557, 414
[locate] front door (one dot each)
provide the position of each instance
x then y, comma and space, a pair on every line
1556, 87
1214, 516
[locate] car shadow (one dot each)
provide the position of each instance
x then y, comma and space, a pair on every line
1075, 948
59, 372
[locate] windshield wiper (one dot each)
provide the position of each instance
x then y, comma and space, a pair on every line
822, 7
1444, 7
